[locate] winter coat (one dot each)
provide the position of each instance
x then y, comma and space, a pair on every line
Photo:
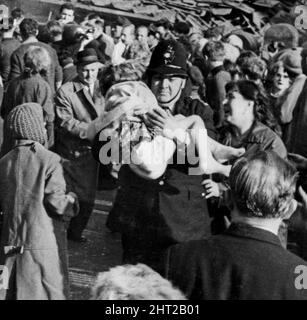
244, 263
75, 109
33, 241
30, 89
54, 74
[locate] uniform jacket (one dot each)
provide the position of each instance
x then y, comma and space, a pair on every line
75, 109
167, 210
54, 73
34, 205
244, 263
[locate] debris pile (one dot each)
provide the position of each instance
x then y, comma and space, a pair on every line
249, 15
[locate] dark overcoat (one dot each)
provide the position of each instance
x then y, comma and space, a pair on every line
244, 263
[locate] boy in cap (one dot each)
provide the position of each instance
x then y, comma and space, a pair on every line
35, 206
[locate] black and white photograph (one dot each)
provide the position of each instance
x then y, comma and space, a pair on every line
153, 150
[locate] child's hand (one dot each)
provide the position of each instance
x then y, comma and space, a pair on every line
212, 188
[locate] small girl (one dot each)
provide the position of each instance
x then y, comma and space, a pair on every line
131, 120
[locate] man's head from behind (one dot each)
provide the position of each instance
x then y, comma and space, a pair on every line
28, 28
214, 51
263, 186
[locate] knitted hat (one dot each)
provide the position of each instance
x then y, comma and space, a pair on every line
291, 59
26, 121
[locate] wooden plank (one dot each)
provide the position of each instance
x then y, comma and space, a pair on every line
240, 6
101, 3
266, 3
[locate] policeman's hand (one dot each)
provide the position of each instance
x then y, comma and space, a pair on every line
212, 188
163, 121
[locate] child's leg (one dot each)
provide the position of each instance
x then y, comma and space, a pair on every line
220, 152
224, 153
207, 163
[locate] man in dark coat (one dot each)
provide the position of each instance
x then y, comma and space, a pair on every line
154, 214
8, 45
247, 261
217, 79
29, 31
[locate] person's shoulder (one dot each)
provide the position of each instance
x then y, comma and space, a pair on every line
45, 45
194, 248
20, 51
198, 107
262, 133
68, 87
46, 155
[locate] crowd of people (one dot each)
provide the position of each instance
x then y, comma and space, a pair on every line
81, 107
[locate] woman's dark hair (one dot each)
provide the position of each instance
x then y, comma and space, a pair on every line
262, 110
49, 31
245, 55
28, 27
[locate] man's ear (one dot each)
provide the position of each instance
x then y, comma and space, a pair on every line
291, 209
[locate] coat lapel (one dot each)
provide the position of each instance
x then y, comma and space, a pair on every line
96, 103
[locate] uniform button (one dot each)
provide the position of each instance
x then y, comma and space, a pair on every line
161, 183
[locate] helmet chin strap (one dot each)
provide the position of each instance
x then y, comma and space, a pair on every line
171, 102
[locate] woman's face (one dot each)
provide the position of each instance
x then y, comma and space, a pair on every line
237, 109
281, 80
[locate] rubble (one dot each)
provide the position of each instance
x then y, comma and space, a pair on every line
251, 16
248, 15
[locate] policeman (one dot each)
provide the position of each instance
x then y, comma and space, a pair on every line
151, 215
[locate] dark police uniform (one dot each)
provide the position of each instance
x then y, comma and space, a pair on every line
154, 214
